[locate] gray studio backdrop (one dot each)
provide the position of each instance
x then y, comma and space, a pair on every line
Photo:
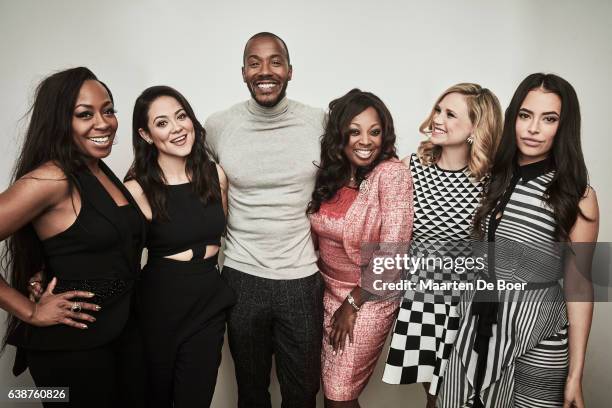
406, 52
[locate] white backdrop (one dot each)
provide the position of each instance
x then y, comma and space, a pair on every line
406, 52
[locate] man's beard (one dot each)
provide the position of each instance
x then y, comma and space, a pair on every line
271, 103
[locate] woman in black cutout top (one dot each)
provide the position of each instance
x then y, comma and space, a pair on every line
68, 212
182, 298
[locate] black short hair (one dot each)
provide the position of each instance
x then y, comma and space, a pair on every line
269, 35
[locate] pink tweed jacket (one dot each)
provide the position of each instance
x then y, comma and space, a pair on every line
382, 214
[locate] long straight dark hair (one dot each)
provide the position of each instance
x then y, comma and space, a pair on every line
49, 138
335, 169
570, 181
145, 168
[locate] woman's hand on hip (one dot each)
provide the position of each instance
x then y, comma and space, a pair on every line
60, 309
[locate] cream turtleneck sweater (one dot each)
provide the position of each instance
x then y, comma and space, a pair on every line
267, 155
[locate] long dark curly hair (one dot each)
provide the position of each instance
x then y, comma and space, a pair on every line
334, 170
570, 181
145, 168
49, 138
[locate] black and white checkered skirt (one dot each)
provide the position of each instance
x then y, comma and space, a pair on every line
426, 326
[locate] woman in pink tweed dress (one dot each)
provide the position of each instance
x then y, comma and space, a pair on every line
363, 195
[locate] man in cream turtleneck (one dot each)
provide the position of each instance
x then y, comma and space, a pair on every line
267, 146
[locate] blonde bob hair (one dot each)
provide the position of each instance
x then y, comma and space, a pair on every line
486, 117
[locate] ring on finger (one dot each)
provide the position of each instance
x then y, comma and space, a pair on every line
76, 307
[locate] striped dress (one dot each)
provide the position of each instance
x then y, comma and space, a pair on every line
525, 360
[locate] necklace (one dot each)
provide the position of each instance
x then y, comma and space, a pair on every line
352, 182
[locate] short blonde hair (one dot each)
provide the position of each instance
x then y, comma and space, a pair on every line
486, 117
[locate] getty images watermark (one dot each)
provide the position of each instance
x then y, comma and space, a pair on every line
451, 268
459, 265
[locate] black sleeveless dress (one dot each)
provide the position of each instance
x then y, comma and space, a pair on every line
184, 303
100, 253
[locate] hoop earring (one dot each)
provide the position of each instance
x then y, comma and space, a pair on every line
470, 140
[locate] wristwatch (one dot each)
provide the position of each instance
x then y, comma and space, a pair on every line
351, 300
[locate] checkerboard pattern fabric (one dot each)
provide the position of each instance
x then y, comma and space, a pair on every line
427, 323
422, 341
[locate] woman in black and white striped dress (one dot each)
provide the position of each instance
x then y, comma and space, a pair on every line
526, 348
464, 127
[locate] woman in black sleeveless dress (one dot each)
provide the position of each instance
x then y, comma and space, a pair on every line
67, 212
182, 298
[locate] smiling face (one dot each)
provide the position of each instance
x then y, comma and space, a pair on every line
169, 128
364, 138
266, 70
94, 123
451, 124
536, 125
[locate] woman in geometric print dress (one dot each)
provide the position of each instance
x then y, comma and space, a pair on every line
448, 171
526, 348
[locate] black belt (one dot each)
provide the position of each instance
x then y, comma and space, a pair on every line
103, 289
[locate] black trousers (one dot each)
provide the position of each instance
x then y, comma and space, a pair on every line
186, 376
184, 309
280, 317
109, 376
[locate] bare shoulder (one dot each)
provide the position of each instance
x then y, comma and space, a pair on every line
48, 179
136, 191
588, 204
48, 171
586, 227
133, 187
41, 190
221, 174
